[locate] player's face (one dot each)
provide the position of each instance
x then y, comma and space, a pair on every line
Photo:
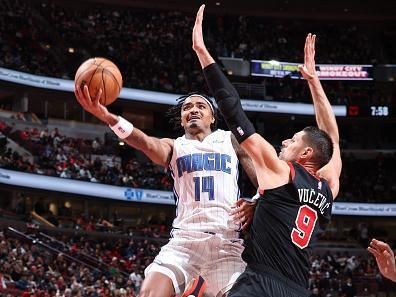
293, 148
196, 114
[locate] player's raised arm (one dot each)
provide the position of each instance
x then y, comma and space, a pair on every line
158, 150
324, 113
198, 43
259, 150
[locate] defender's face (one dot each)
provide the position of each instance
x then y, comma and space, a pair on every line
196, 114
293, 148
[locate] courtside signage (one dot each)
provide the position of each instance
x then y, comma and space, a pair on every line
58, 184
364, 209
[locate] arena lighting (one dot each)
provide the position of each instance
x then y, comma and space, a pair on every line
71, 50
218, 3
121, 143
274, 62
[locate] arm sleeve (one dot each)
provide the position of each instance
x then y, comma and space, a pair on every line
229, 103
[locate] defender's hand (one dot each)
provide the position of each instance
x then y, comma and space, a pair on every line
308, 69
197, 36
385, 258
242, 212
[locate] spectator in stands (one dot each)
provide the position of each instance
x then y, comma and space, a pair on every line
44, 135
137, 280
66, 161
28, 48
315, 293
96, 146
348, 289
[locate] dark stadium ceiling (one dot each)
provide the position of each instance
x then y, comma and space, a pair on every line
314, 9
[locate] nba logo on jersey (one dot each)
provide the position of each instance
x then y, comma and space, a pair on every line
240, 131
319, 185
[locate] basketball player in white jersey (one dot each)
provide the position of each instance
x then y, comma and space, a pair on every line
204, 164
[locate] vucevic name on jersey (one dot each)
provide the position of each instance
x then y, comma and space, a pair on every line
206, 183
286, 224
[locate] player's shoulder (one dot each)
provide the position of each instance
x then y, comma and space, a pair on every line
180, 138
331, 176
221, 136
222, 133
168, 141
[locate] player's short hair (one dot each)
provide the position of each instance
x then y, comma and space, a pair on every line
321, 143
174, 113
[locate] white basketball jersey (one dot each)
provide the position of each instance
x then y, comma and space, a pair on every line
205, 183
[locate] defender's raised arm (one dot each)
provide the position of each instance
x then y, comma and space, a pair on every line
324, 114
259, 150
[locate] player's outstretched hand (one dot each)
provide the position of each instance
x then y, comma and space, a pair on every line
197, 36
385, 258
242, 212
308, 69
92, 106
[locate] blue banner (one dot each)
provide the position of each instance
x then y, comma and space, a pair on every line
58, 184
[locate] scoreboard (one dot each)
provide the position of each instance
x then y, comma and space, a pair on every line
378, 111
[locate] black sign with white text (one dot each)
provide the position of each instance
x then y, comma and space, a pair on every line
325, 71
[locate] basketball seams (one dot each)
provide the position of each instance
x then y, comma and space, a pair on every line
96, 73
84, 72
112, 74
96, 70
104, 87
89, 67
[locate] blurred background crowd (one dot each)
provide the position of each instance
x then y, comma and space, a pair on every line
63, 244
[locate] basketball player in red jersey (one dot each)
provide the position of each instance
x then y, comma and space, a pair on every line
297, 187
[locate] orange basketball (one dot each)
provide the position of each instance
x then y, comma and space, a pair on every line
100, 73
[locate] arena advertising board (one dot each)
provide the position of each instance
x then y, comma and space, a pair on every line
364, 209
160, 97
286, 107
57, 184
325, 71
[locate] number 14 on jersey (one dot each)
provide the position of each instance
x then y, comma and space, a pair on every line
204, 184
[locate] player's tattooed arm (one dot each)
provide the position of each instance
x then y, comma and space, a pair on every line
245, 161
242, 210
